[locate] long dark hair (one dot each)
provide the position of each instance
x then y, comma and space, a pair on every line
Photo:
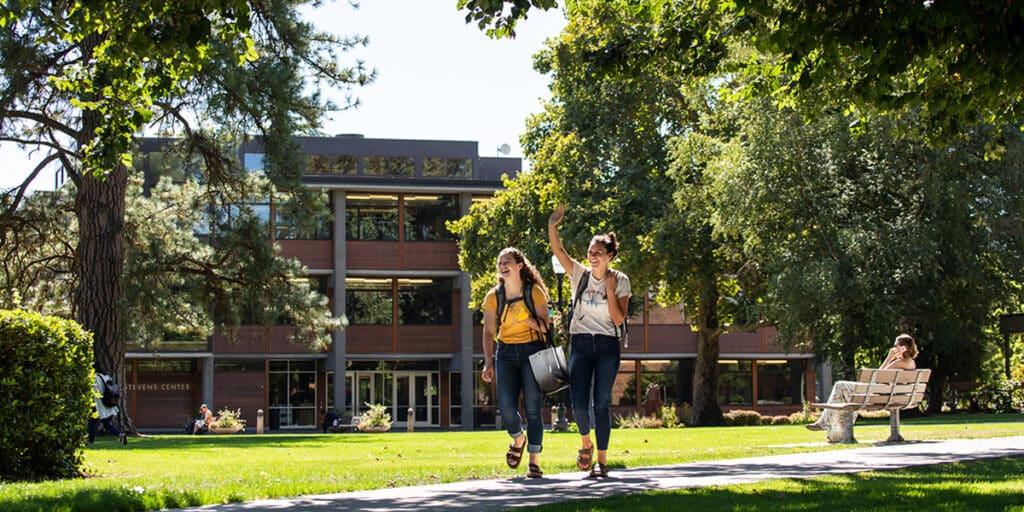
528, 273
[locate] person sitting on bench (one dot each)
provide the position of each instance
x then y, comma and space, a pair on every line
901, 357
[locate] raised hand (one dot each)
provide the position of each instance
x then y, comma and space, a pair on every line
557, 215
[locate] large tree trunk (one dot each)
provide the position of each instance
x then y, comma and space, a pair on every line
706, 410
99, 257
100, 263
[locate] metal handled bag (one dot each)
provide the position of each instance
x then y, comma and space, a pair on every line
549, 367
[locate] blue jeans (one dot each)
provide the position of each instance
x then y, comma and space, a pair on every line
93, 426
593, 367
512, 369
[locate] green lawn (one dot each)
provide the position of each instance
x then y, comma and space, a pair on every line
178, 470
987, 485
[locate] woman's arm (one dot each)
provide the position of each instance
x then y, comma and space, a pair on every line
490, 319
617, 306
556, 241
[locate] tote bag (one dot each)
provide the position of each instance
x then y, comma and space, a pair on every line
549, 368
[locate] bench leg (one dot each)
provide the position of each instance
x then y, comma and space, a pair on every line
894, 427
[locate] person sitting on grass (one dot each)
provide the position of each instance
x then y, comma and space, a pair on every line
901, 357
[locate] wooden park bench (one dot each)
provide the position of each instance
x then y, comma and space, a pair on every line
877, 390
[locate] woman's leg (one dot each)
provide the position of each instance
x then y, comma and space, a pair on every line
509, 386
581, 372
533, 400
835, 422
606, 368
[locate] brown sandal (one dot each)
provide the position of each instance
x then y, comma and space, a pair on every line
534, 472
599, 471
514, 455
585, 457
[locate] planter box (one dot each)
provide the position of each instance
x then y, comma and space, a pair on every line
226, 430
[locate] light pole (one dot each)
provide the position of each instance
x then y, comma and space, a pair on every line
561, 424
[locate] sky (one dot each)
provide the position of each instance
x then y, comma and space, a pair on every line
438, 78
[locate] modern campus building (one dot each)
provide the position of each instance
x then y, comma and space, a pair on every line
386, 261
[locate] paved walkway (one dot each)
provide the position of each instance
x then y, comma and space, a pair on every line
511, 493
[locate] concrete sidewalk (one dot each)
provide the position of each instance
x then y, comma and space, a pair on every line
505, 494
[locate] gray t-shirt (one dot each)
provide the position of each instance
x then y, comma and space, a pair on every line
591, 315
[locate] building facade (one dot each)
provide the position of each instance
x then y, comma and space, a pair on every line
385, 260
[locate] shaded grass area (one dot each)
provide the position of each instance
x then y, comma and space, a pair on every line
985, 485
178, 471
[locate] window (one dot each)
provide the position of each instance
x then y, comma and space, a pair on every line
371, 217
303, 220
424, 302
734, 382
425, 217
389, 166
368, 301
171, 165
455, 402
166, 366
331, 164
293, 392
624, 389
448, 167
774, 382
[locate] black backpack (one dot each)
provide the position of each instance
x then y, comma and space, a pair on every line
621, 331
527, 298
111, 392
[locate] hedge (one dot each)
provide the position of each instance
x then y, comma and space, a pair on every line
45, 395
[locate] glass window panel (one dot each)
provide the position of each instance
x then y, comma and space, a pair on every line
735, 383
448, 167
168, 366
774, 383
624, 389
295, 220
325, 165
171, 165
369, 301
424, 301
371, 217
238, 366
426, 215
389, 166
664, 375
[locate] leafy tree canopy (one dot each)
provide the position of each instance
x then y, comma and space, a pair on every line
956, 63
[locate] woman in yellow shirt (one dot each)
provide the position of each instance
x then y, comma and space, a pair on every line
518, 335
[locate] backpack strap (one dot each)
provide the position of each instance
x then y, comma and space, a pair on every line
580, 288
499, 294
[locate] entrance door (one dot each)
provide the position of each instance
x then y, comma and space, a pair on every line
417, 390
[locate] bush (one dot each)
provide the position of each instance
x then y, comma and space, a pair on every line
45, 395
1001, 396
637, 420
669, 418
226, 418
740, 418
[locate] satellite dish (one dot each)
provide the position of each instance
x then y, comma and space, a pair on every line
504, 149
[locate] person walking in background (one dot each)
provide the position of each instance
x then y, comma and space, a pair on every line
594, 355
508, 319
104, 414
901, 357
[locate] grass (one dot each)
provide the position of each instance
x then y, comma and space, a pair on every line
177, 471
985, 485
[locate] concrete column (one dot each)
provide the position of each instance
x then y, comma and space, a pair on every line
337, 360
208, 384
464, 362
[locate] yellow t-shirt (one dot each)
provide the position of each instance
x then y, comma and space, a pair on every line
511, 327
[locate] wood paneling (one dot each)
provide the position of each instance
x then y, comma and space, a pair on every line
258, 339
318, 254
240, 390
164, 399
430, 256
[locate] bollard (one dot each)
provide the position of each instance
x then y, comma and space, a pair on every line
410, 419
259, 421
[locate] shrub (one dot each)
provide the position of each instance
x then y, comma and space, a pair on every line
45, 395
668, 416
637, 420
739, 417
226, 418
874, 415
1000, 396
780, 420
685, 414
376, 416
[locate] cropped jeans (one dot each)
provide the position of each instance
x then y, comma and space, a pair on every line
593, 367
512, 369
